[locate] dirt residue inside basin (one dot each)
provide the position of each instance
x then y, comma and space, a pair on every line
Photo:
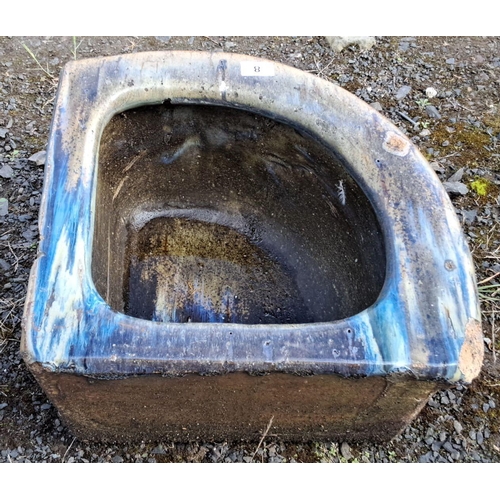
183, 270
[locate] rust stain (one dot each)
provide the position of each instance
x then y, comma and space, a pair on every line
396, 144
472, 353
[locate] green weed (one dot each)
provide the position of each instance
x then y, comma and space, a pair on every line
422, 103
14, 154
75, 47
480, 186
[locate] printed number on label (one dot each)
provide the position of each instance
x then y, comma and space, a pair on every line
252, 68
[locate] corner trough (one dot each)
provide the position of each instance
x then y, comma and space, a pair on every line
226, 240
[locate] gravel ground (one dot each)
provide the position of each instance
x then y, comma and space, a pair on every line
442, 92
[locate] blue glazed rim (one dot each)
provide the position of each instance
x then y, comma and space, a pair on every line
426, 319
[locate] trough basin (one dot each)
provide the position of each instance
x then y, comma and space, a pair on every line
228, 242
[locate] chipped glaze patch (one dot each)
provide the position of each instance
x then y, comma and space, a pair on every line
472, 353
396, 144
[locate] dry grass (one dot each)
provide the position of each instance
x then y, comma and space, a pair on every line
10, 317
46, 69
263, 436
489, 288
52, 78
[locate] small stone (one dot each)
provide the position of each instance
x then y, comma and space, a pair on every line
229, 45
158, 450
376, 106
3, 133
492, 404
448, 447
451, 60
5, 266
117, 459
345, 450
432, 112
45, 406
430, 92
457, 426
425, 459
433, 404
436, 446
404, 46
479, 438
469, 216
4, 206
445, 400
486, 407
28, 234
457, 176
164, 39
425, 133
3, 405
403, 92
6, 171
436, 167
455, 188
38, 158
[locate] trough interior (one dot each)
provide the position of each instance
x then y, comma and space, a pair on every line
213, 214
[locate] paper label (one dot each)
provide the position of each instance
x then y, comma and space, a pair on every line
257, 68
